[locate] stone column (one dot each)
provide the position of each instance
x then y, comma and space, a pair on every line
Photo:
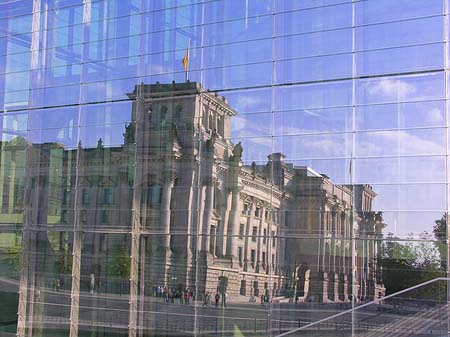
143, 248
247, 246
343, 288
318, 287
221, 248
259, 243
233, 224
166, 211
206, 221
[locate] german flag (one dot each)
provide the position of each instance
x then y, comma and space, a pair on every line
186, 57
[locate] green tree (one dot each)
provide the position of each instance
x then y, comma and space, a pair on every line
440, 233
14, 258
120, 264
408, 263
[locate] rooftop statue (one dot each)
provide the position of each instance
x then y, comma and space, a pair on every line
237, 152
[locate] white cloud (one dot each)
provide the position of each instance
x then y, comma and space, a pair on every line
245, 102
391, 88
238, 124
435, 116
402, 143
311, 113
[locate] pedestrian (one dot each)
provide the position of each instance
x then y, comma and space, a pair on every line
224, 299
92, 285
189, 296
217, 299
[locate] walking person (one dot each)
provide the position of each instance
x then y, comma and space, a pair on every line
224, 299
217, 299
92, 284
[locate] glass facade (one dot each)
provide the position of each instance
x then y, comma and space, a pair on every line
222, 167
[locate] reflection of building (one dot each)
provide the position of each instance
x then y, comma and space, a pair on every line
260, 227
177, 198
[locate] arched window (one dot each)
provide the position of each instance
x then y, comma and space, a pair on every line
243, 288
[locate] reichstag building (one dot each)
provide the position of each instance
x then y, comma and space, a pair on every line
233, 168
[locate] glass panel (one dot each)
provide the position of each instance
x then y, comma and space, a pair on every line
227, 11
400, 115
403, 33
400, 88
310, 96
251, 125
315, 19
314, 69
313, 44
217, 167
251, 28
400, 143
250, 100
368, 12
244, 76
315, 146
105, 114
399, 170
294, 122
394, 61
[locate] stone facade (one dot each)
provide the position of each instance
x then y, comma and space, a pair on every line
177, 197
261, 227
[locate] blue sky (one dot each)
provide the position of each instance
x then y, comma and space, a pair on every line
289, 76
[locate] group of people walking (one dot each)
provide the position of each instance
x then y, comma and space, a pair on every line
218, 298
187, 296
172, 295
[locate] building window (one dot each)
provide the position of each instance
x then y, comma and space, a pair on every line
254, 233
264, 259
85, 197
255, 288
273, 239
240, 256
154, 195
64, 216
243, 288
265, 236
257, 212
105, 216
253, 257
246, 209
83, 216
241, 231
66, 196
217, 200
107, 195
273, 261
